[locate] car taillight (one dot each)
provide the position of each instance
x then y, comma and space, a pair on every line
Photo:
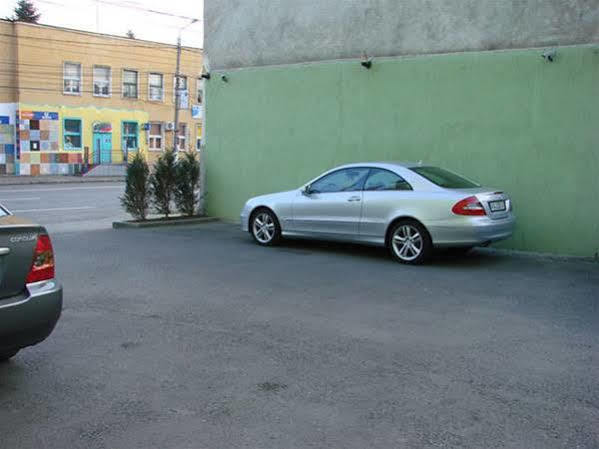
42, 267
469, 206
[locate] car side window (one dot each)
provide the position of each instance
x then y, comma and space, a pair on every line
344, 180
385, 180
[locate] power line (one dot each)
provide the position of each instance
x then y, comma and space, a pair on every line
113, 93
107, 54
123, 4
152, 11
87, 72
86, 77
157, 45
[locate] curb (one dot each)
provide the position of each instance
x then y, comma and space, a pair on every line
159, 223
58, 180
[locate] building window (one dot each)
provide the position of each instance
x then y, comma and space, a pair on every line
182, 136
130, 136
155, 136
181, 87
72, 134
130, 83
72, 78
156, 87
101, 81
199, 137
199, 91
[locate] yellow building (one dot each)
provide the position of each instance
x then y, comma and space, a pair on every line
73, 99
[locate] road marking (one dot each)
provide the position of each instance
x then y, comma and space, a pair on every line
74, 189
20, 199
51, 209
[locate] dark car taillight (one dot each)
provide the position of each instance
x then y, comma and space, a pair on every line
469, 206
42, 267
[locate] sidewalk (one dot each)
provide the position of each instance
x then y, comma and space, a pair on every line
6, 180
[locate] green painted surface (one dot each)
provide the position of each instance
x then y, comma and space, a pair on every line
507, 119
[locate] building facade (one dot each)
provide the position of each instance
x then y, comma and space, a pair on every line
71, 100
460, 84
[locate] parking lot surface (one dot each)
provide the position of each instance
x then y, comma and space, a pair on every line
197, 338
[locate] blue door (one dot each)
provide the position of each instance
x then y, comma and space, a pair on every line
102, 148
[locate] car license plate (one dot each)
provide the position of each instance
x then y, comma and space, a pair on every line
497, 206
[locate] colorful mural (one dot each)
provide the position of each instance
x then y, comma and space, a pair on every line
38, 148
7, 139
62, 140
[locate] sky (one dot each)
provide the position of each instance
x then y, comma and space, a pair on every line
118, 16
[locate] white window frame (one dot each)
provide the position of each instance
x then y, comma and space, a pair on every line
175, 86
64, 78
161, 88
154, 136
109, 80
182, 137
136, 81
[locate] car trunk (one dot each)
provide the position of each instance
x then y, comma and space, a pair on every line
18, 238
497, 204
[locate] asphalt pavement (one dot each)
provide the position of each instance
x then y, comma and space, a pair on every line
66, 207
195, 337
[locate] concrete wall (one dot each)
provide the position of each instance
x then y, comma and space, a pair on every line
265, 32
506, 118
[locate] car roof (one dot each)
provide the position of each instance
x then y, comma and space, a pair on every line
382, 164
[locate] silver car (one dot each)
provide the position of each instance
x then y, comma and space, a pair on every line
409, 208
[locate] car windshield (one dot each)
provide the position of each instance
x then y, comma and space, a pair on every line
444, 178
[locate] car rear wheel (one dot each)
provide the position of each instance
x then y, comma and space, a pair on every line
4, 356
265, 227
409, 242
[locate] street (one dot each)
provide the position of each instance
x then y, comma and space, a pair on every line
66, 207
195, 337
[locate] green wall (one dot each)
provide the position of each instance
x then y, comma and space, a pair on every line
508, 119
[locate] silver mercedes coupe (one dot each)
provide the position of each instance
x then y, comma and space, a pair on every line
409, 208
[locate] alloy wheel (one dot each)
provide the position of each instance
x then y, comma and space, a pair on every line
407, 242
264, 227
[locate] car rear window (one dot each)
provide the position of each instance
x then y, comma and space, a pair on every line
444, 178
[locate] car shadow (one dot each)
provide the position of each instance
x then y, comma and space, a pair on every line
476, 258
10, 371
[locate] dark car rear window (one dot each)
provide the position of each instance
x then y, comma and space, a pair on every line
444, 178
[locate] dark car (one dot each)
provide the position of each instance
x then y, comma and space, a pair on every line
30, 295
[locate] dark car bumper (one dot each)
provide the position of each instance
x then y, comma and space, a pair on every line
28, 319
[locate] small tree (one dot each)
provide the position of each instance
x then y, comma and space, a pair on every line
163, 182
130, 34
136, 199
187, 182
25, 11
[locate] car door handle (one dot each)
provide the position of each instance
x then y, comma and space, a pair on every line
353, 198
4, 251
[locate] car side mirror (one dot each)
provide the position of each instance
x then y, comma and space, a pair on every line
307, 191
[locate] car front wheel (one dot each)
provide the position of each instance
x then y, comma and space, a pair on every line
409, 242
265, 228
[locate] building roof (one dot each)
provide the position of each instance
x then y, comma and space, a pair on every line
101, 35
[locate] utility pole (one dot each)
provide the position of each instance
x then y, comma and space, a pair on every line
177, 89
177, 95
